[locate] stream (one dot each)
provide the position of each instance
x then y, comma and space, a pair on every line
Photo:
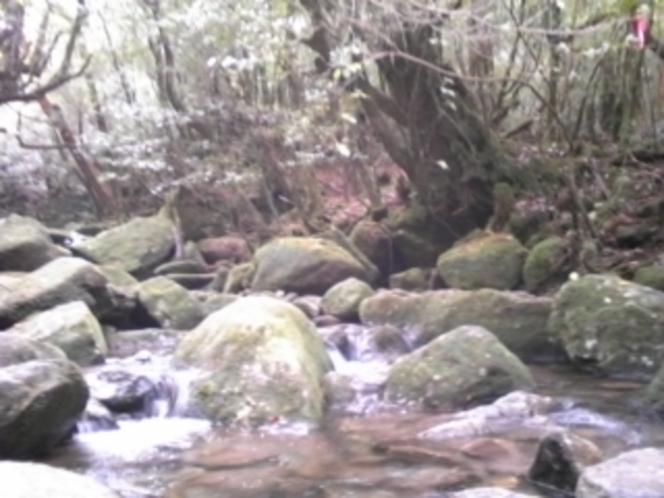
362, 449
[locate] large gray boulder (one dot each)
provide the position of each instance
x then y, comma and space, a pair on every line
15, 349
463, 367
169, 304
262, 360
71, 327
137, 247
304, 265
61, 281
40, 403
634, 474
25, 244
611, 325
517, 319
492, 260
37, 480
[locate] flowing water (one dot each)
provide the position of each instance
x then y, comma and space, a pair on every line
365, 450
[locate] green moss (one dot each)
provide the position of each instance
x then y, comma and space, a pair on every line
545, 264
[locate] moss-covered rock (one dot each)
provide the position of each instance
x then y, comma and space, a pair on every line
343, 299
650, 276
411, 249
304, 265
138, 246
238, 278
461, 368
413, 279
374, 240
546, 265
262, 360
492, 261
518, 319
169, 304
611, 325
72, 328
25, 244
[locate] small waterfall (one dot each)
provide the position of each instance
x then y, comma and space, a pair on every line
142, 386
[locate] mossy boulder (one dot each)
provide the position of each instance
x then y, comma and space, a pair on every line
25, 244
15, 349
611, 325
466, 366
375, 242
494, 261
138, 246
412, 249
262, 361
60, 281
304, 265
343, 299
413, 279
518, 319
40, 403
237, 279
650, 276
72, 328
546, 264
169, 304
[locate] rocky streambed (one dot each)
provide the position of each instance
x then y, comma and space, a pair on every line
292, 374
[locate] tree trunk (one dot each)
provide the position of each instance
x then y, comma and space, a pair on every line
430, 124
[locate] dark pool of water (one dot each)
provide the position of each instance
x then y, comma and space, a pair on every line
365, 456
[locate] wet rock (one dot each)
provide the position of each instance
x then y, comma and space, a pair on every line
40, 402
414, 279
310, 305
492, 261
304, 266
130, 342
141, 393
561, 458
239, 278
32, 480
15, 349
228, 248
138, 246
611, 325
462, 367
169, 304
96, 417
515, 409
519, 320
633, 474
547, 264
388, 342
25, 244
339, 390
488, 493
263, 360
374, 240
72, 328
343, 299
61, 281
